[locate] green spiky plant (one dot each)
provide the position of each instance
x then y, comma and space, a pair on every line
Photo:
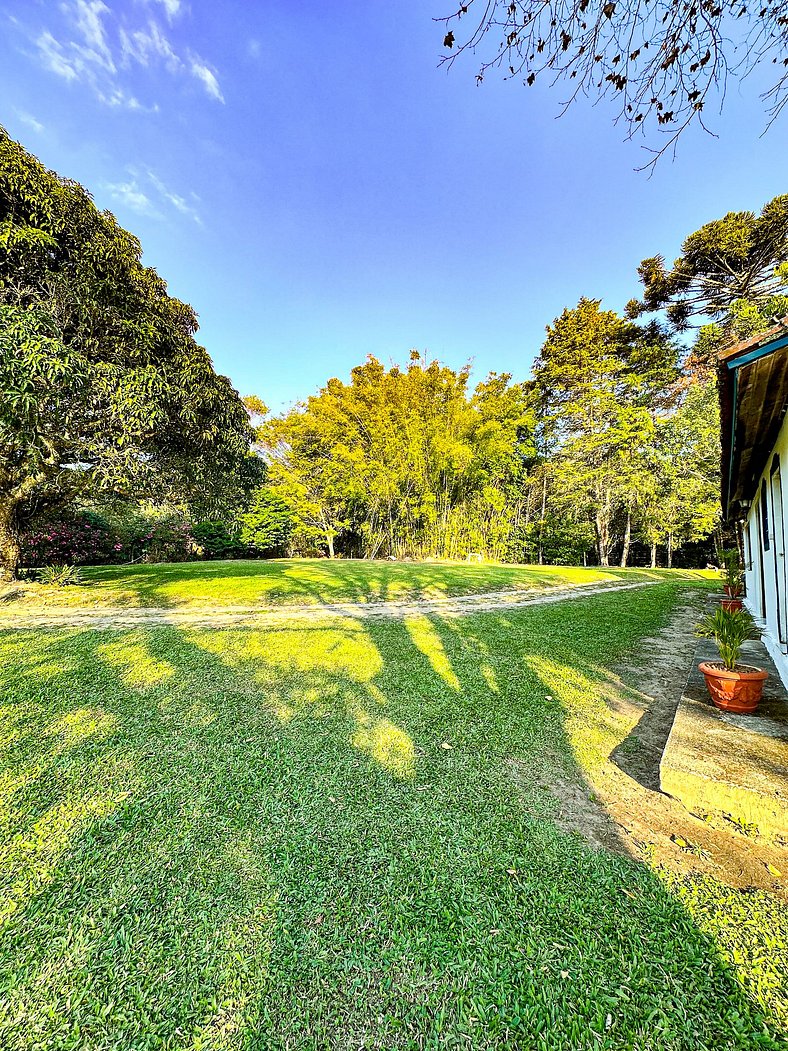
733, 572
729, 628
60, 576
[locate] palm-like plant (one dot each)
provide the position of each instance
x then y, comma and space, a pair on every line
729, 628
61, 576
733, 572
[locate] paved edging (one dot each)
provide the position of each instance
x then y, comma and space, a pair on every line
231, 616
736, 765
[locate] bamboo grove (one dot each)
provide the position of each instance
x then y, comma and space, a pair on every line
614, 441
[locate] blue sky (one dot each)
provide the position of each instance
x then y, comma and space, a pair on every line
309, 180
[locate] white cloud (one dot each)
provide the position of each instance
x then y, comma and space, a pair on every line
30, 121
171, 7
96, 47
208, 77
117, 97
83, 60
130, 195
145, 193
54, 57
175, 199
88, 15
146, 46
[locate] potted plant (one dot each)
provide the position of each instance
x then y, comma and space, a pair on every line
732, 686
733, 577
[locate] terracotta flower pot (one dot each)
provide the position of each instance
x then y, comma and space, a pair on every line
734, 691
731, 603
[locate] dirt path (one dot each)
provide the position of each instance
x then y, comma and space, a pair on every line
101, 618
626, 812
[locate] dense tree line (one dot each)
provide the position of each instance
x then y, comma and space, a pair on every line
118, 439
404, 462
614, 441
611, 441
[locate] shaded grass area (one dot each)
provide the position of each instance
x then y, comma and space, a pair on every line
311, 581
313, 837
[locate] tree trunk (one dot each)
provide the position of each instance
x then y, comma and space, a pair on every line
528, 547
10, 546
627, 540
602, 539
670, 551
541, 520
718, 545
330, 542
653, 555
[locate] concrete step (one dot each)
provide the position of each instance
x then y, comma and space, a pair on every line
736, 765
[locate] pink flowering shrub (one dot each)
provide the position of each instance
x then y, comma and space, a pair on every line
81, 538
162, 537
85, 538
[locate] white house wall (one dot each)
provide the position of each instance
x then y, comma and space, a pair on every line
764, 569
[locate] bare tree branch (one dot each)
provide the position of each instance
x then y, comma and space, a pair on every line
659, 60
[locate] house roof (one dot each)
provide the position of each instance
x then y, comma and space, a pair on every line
753, 385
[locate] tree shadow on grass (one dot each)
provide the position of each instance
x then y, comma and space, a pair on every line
311, 837
323, 582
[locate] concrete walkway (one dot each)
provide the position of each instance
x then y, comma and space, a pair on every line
100, 618
734, 765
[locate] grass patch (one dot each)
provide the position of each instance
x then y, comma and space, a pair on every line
312, 837
318, 581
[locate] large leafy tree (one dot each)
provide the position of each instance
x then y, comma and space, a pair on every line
602, 379
267, 523
103, 386
656, 61
680, 497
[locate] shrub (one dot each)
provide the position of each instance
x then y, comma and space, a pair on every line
120, 533
153, 533
268, 523
60, 576
78, 537
563, 541
216, 542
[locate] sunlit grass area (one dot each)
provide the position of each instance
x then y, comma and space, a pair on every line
340, 835
307, 581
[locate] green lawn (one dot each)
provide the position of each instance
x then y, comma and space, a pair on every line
304, 580
339, 835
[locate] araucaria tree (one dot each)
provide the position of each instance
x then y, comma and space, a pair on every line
103, 387
732, 271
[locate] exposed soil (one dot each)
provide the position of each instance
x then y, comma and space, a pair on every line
101, 618
621, 808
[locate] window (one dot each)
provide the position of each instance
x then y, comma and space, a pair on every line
764, 517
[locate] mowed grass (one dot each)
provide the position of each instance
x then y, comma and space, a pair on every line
340, 836
310, 581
